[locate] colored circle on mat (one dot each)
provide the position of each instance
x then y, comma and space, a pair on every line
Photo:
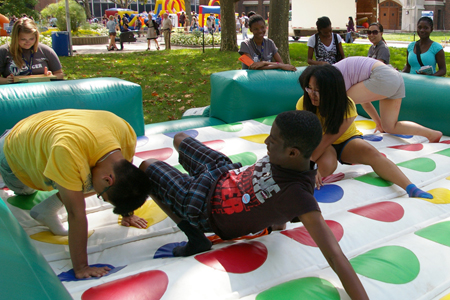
311, 288
403, 136
411, 147
445, 152
448, 178
191, 132
166, 250
245, 158
215, 144
159, 154
421, 164
257, 138
150, 212
232, 127
50, 238
27, 202
438, 233
446, 297
440, 196
365, 124
373, 179
390, 264
372, 138
301, 235
445, 142
239, 258
385, 211
141, 141
328, 193
266, 120
149, 285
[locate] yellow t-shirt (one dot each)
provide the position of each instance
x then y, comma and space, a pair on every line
351, 131
62, 146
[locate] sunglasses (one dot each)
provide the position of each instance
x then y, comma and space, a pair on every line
374, 32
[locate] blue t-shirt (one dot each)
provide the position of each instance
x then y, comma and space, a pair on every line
428, 58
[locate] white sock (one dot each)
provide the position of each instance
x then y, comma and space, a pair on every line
46, 213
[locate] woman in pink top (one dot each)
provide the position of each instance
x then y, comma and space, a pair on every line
367, 80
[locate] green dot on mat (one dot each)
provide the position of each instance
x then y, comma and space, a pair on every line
311, 288
29, 201
266, 120
445, 152
438, 233
390, 264
180, 168
232, 127
245, 158
373, 179
420, 164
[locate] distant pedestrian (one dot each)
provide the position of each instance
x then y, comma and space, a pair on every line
138, 25
152, 33
112, 27
182, 19
167, 29
244, 22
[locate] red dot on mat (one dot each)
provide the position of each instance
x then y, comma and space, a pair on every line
215, 144
302, 236
385, 211
238, 258
150, 285
412, 147
160, 154
445, 142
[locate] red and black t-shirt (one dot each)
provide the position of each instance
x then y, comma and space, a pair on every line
249, 199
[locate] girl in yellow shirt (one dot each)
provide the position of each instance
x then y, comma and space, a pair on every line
325, 95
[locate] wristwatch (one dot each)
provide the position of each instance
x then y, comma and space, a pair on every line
127, 214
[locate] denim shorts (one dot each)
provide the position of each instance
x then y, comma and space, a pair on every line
340, 147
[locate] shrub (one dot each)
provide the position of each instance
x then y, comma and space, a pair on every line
58, 10
195, 39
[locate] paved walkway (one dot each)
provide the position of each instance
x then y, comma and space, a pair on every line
141, 45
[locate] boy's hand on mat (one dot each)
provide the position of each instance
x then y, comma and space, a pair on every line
134, 221
88, 272
319, 182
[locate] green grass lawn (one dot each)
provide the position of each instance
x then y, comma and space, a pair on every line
174, 81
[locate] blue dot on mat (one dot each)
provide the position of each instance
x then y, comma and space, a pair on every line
372, 137
141, 141
166, 250
329, 193
402, 136
191, 133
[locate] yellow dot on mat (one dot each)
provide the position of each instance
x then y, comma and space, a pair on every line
446, 297
366, 124
441, 196
448, 178
257, 138
49, 237
150, 212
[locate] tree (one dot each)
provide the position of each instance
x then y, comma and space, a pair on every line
122, 3
58, 10
19, 7
87, 9
228, 25
279, 27
187, 8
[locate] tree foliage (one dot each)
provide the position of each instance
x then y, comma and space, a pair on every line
122, 3
279, 27
58, 10
19, 7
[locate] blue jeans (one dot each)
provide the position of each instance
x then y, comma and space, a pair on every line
348, 37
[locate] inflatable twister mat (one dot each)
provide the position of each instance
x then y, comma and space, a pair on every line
398, 246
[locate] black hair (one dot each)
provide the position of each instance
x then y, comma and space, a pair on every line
351, 23
130, 189
251, 13
300, 129
334, 104
254, 19
426, 19
322, 23
380, 27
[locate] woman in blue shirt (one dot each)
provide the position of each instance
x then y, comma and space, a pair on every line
430, 52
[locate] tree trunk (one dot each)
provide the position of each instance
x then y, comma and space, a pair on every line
278, 27
87, 9
187, 8
228, 26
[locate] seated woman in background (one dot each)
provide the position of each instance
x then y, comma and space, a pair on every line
379, 50
425, 52
325, 45
368, 80
261, 50
25, 56
325, 96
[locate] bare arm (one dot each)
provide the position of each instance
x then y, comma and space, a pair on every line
78, 234
269, 65
329, 139
407, 68
7, 80
341, 50
372, 112
311, 61
325, 240
440, 59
